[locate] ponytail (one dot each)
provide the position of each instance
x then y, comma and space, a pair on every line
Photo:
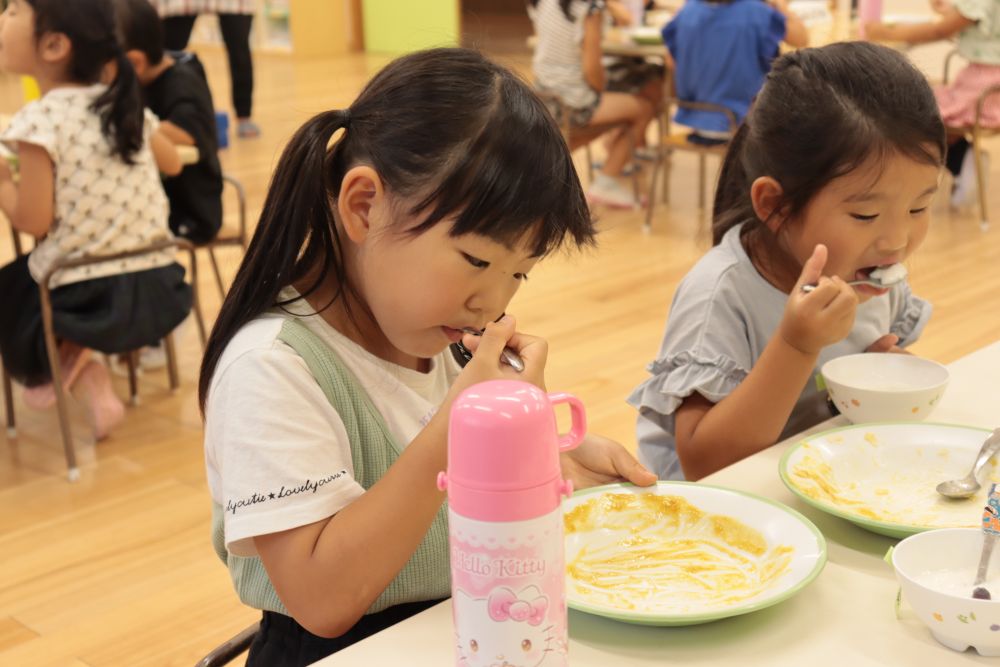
296, 233
90, 27
121, 110
732, 196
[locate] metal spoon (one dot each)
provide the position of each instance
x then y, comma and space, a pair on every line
968, 485
508, 355
867, 281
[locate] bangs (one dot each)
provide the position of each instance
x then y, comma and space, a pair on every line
513, 180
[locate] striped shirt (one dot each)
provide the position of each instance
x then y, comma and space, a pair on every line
558, 61
189, 7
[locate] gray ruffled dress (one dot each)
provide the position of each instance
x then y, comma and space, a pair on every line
723, 315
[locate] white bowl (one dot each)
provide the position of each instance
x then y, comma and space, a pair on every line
927, 564
873, 387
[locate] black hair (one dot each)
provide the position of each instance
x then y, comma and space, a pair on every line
90, 27
563, 4
821, 114
140, 29
449, 132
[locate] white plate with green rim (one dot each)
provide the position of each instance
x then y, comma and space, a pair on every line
882, 477
680, 553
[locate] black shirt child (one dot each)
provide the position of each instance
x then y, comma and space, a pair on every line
181, 95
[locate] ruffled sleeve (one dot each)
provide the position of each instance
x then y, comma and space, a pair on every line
34, 124
678, 376
983, 12
910, 314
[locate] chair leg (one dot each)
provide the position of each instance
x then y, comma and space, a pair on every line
8, 398
648, 225
668, 163
62, 407
168, 345
590, 163
701, 181
131, 359
982, 179
218, 274
196, 299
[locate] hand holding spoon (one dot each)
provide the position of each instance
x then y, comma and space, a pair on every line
508, 355
885, 276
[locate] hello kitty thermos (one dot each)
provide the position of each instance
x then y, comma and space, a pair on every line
505, 490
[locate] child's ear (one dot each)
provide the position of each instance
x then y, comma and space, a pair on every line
361, 193
140, 63
55, 47
766, 193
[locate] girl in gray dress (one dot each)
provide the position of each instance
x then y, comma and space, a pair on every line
831, 175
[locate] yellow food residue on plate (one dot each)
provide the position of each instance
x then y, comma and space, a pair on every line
871, 439
662, 554
885, 492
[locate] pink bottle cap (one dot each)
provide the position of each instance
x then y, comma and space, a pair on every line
503, 451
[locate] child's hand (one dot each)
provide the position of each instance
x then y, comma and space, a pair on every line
886, 343
5, 173
819, 318
598, 460
486, 349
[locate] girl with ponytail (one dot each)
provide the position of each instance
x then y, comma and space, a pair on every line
390, 227
89, 185
831, 176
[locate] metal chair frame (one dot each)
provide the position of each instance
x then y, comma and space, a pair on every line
52, 346
671, 142
974, 134
224, 653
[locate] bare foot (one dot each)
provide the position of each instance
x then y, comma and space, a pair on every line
106, 409
72, 358
41, 397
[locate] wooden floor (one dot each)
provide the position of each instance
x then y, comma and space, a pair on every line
116, 570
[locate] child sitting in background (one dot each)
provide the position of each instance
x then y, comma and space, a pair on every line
567, 64
831, 175
89, 185
176, 90
722, 50
976, 23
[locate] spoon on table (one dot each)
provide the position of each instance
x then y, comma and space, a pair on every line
991, 530
968, 485
886, 276
508, 355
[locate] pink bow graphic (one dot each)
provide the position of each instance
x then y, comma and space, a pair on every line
504, 604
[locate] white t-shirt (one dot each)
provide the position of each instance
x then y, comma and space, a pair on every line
102, 205
276, 451
558, 59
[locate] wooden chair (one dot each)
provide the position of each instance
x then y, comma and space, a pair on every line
678, 141
52, 345
224, 653
974, 135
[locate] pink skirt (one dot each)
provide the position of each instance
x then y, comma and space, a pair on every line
957, 100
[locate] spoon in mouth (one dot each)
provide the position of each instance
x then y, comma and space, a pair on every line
884, 276
508, 355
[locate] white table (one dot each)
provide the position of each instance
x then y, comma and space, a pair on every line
844, 618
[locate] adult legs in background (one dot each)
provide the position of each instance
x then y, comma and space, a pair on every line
177, 31
236, 35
